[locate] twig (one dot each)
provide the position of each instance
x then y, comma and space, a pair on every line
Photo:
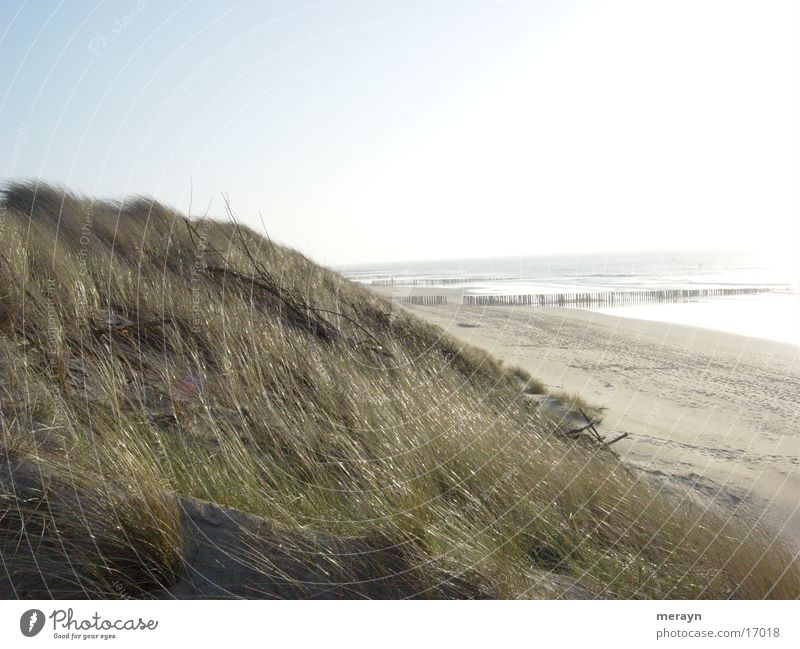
266, 234
263, 272
301, 310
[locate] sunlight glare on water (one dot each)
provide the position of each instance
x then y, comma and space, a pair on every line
774, 316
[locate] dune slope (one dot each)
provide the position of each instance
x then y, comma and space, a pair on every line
148, 360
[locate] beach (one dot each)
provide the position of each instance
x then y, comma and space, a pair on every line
717, 412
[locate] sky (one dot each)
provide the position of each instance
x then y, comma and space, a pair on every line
374, 131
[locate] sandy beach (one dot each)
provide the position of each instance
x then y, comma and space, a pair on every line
716, 411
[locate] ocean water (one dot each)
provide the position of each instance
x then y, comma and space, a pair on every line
774, 315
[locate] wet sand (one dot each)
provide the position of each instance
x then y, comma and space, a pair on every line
717, 411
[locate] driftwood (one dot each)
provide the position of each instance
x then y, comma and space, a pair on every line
595, 438
616, 439
591, 427
574, 432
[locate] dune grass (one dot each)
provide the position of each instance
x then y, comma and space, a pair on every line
144, 356
528, 383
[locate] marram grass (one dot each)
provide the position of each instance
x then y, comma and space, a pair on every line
144, 356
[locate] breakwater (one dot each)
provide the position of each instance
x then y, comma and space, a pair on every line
442, 281
610, 298
424, 300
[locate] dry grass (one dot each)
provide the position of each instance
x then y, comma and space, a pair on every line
528, 384
577, 404
142, 358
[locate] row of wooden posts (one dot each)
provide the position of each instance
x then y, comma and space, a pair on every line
424, 300
613, 298
605, 297
442, 281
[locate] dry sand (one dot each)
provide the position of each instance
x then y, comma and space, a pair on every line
716, 411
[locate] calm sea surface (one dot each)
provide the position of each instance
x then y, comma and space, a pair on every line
774, 315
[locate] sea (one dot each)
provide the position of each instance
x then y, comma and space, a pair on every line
768, 306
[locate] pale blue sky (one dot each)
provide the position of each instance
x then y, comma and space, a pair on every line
375, 130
